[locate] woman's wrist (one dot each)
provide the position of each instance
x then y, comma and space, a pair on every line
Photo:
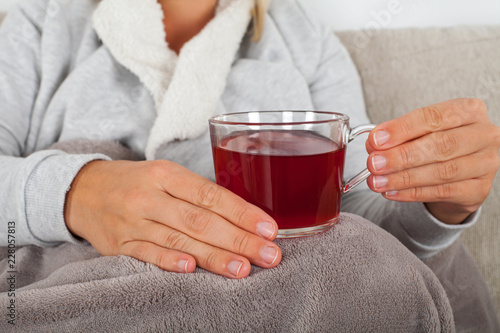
447, 213
77, 196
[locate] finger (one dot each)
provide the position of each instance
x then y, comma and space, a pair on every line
431, 148
458, 193
209, 228
167, 259
208, 257
369, 147
463, 168
187, 186
434, 118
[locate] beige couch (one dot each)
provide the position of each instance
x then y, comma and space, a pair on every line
406, 69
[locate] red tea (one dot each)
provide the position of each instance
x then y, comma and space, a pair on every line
295, 176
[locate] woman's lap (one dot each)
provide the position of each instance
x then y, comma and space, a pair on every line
354, 277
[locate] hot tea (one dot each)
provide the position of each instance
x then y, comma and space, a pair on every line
295, 176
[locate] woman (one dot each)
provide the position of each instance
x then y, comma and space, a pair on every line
149, 75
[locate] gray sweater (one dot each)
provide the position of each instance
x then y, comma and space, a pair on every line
71, 70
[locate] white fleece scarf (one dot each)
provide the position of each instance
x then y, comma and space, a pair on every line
186, 88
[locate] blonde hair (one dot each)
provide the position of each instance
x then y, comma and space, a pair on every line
258, 14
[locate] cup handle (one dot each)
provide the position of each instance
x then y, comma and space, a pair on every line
360, 177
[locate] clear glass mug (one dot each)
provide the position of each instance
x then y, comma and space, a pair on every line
288, 163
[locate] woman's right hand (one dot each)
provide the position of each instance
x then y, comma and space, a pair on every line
161, 213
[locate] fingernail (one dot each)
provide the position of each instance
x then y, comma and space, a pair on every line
265, 229
183, 265
379, 181
381, 138
391, 193
269, 254
234, 267
379, 162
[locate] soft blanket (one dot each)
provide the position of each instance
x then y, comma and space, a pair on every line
353, 278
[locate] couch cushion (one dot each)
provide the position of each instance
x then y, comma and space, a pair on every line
409, 68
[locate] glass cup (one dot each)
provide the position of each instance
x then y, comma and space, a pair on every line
288, 163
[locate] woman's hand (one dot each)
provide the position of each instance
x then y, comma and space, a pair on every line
161, 213
445, 155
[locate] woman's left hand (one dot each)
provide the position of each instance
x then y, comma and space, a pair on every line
445, 155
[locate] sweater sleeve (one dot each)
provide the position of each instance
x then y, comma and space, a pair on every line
34, 188
337, 87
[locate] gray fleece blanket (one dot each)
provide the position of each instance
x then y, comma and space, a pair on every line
353, 278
